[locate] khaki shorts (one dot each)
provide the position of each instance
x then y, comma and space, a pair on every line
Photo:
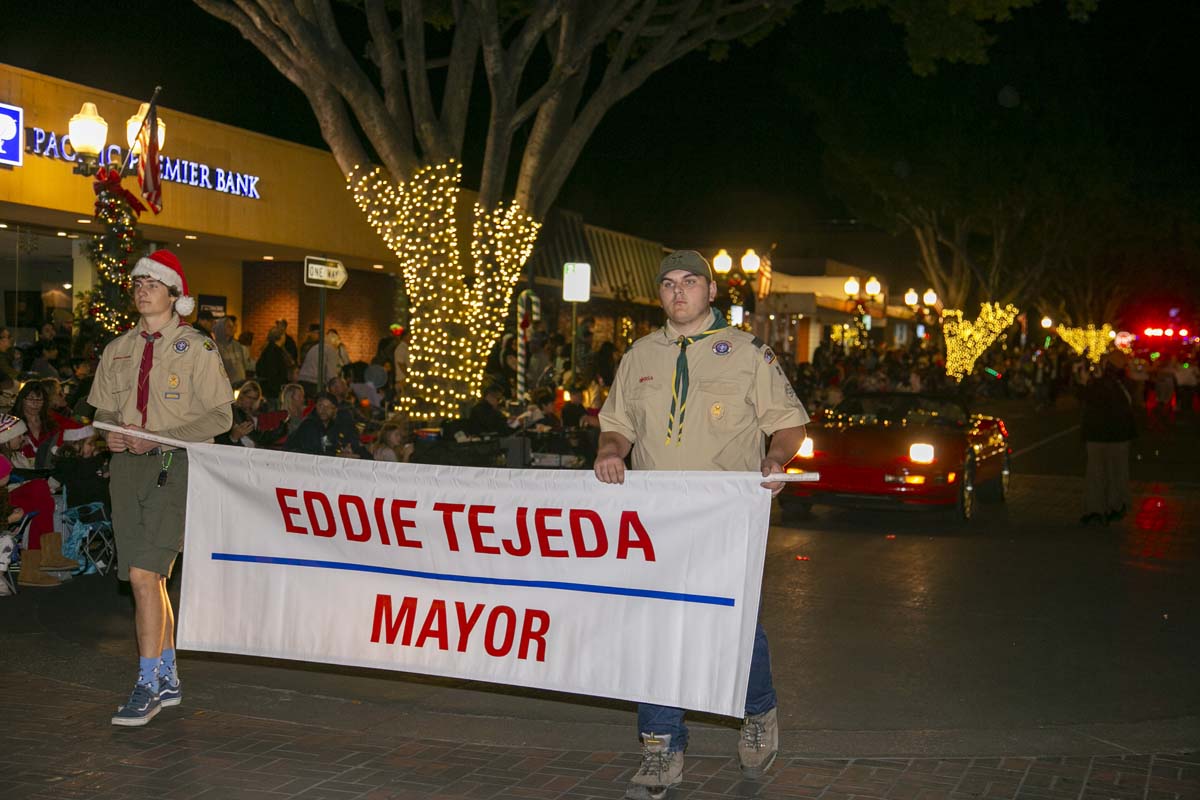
148, 519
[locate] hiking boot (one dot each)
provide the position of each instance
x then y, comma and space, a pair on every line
170, 692
759, 743
660, 771
141, 707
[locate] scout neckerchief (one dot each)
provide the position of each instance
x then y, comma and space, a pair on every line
679, 384
143, 383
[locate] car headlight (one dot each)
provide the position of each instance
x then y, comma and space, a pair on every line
921, 453
806, 448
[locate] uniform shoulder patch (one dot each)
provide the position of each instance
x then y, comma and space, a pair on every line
768, 355
208, 345
759, 343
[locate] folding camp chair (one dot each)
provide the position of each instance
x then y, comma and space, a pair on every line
11, 543
90, 526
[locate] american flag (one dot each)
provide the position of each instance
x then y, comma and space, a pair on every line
149, 177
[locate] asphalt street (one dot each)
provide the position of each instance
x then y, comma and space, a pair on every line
892, 634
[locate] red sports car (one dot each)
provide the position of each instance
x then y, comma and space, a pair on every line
901, 450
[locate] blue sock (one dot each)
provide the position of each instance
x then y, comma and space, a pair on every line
148, 671
166, 666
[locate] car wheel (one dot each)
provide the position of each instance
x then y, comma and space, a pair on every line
794, 507
997, 489
966, 492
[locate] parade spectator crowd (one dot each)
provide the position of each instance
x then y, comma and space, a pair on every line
311, 397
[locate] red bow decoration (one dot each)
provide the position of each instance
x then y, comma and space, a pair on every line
109, 180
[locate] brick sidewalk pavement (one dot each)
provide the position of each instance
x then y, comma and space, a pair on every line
56, 744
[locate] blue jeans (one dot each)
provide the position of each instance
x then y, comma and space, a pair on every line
760, 698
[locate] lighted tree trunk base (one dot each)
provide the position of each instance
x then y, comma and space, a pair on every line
457, 301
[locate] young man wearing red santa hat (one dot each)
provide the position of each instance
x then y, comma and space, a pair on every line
164, 377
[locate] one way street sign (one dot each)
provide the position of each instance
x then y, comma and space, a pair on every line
325, 273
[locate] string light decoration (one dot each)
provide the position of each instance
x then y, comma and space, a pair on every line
110, 303
846, 335
1090, 340
456, 309
625, 334
966, 341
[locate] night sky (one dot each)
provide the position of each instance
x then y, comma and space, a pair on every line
705, 152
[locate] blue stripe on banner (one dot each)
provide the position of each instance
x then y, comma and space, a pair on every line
590, 588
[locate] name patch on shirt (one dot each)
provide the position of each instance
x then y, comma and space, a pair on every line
171, 395
181, 346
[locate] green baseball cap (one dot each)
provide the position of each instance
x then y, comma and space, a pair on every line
686, 260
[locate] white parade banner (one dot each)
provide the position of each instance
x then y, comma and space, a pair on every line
646, 591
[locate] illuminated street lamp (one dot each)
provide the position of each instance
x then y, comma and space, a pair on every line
736, 278
930, 298
133, 126
1047, 323
911, 298
850, 287
88, 132
873, 287
722, 263
750, 262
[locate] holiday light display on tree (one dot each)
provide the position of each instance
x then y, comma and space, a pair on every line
1090, 340
967, 340
847, 335
110, 303
457, 303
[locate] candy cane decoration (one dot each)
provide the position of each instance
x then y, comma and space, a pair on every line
529, 311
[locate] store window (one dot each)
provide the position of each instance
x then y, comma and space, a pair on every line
36, 268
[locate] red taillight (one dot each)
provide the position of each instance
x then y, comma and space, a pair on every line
1003, 428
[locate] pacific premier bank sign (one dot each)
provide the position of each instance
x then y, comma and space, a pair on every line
48, 144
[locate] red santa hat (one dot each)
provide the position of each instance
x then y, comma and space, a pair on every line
163, 266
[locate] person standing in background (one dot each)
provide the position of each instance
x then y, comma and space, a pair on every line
1109, 425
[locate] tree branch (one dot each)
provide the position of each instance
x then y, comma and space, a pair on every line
456, 99
428, 130
391, 68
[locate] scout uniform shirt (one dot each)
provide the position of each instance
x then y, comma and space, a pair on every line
737, 394
187, 383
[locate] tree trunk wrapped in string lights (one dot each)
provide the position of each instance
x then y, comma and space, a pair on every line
110, 303
966, 341
455, 305
1090, 340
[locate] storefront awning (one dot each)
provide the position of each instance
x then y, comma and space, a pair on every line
623, 266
